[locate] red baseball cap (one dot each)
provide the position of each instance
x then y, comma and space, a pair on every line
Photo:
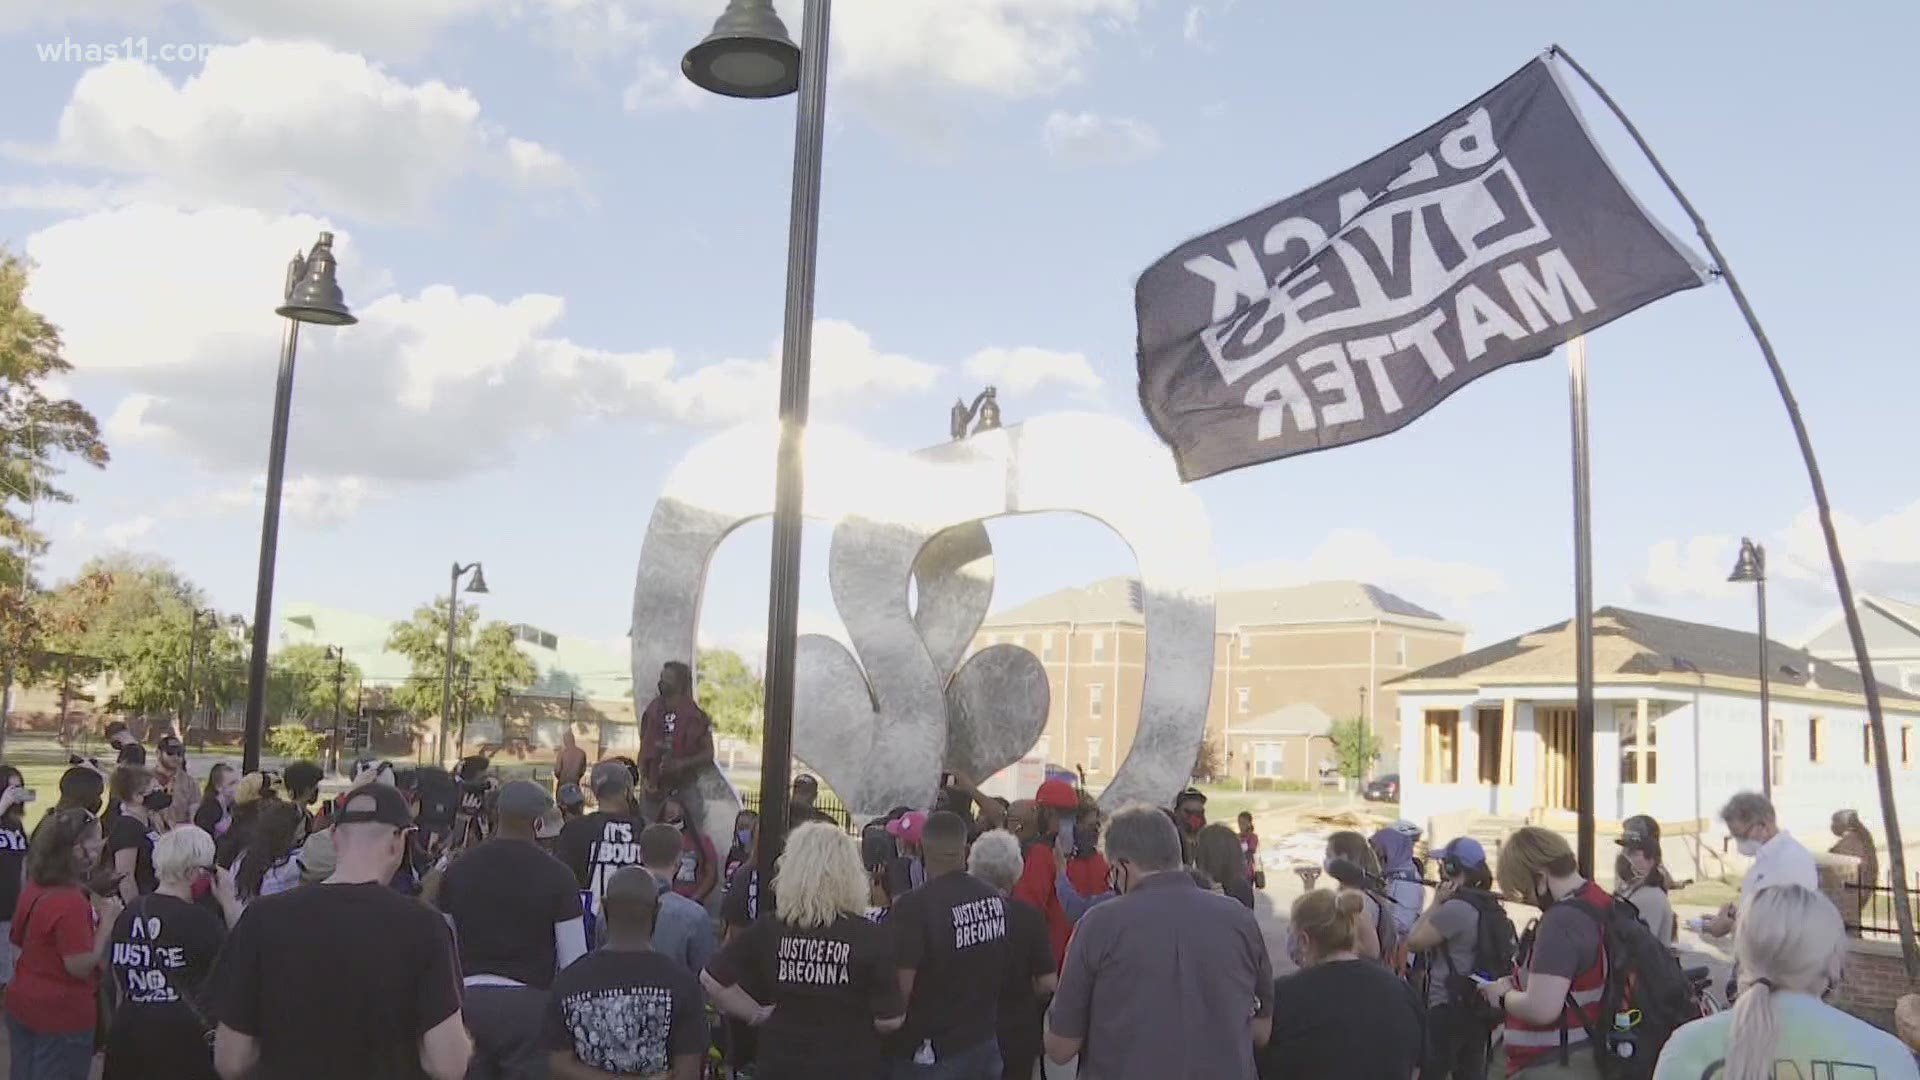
1058, 794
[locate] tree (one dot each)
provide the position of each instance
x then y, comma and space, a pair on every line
301, 686
730, 693
495, 665
1355, 748
1209, 763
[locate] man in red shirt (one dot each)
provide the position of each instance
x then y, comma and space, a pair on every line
676, 742
1037, 824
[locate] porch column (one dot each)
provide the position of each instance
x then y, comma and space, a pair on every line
1505, 786
1640, 754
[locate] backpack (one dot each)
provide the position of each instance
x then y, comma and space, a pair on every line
1644, 978
439, 796
1495, 944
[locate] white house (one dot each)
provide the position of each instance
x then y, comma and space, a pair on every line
1677, 730
1892, 629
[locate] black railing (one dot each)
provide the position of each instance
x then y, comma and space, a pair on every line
826, 804
1868, 911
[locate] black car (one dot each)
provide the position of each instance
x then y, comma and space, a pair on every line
1382, 789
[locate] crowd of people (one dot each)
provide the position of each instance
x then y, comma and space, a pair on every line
427, 923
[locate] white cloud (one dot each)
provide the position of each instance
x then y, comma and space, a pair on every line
657, 86
1192, 28
1361, 555
320, 501
67, 198
390, 28
278, 124
1091, 139
122, 534
1026, 368
1696, 567
1883, 555
404, 395
1003, 48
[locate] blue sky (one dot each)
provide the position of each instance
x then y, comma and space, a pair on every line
570, 268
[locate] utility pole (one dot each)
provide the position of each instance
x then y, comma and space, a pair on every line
339, 656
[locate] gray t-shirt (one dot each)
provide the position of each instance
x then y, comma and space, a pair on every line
1459, 924
1655, 909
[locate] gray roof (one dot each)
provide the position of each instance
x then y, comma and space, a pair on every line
1299, 718
1636, 643
1115, 600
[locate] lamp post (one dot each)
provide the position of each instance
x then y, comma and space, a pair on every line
339, 657
749, 55
478, 586
193, 639
312, 296
1752, 566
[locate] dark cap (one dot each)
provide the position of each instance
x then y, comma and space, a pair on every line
571, 795
611, 775
171, 744
1191, 795
806, 780
376, 803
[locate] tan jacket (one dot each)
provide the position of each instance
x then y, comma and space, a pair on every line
186, 798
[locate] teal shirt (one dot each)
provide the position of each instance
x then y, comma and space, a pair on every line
1816, 1040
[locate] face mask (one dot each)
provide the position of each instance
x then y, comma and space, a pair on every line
743, 837
1748, 847
1542, 897
675, 824
157, 800
665, 688
1114, 880
1196, 822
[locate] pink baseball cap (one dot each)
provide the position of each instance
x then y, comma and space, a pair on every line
908, 826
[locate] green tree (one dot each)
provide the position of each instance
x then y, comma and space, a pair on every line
1355, 748
301, 687
730, 693
495, 665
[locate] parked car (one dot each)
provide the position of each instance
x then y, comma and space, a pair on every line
1382, 789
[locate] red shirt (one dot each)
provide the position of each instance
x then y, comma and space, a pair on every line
1036, 887
670, 730
696, 852
51, 924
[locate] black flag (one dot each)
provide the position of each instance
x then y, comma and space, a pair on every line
1344, 312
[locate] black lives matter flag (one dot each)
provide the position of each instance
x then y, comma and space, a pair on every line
1348, 310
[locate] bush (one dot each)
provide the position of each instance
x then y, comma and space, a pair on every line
295, 743
1209, 764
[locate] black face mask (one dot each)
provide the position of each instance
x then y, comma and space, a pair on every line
665, 688
157, 800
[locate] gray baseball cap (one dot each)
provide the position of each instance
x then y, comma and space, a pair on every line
522, 800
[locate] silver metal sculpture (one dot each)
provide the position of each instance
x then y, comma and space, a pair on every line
880, 728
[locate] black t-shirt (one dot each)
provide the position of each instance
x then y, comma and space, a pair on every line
597, 845
1029, 955
127, 832
827, 987
504, 898
741, 905
13, 855
625, 1012
1346, 1020
338, 980
207, 816
163, 950
952, 932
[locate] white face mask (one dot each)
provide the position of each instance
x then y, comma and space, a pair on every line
1749, 847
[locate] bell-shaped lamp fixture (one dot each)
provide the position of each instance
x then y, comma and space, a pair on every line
1752, 565
748, 55
315, 296
479, 582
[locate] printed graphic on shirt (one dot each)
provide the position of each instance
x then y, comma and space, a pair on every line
13, 840
814, 962
617, 847
622, 1030
147, 963
979, 921
689, 869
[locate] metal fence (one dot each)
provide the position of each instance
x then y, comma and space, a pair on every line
827, 803
1868, 912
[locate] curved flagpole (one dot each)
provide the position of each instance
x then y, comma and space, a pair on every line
1902, 908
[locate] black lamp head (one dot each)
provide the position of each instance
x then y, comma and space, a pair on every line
479, 582
748, 54
1752, 565
313, 289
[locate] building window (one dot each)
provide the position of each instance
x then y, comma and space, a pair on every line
1269, 759
1243, 699
1400, 652
1099, 645
1246, 646
1096, 701
1441, 762
1632, 753
1489, 725
1046, 645
1779, 750
1093, 755
1816, 739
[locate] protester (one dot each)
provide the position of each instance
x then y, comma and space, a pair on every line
676, 741
1778, 859
1037, 824
270, 865
516, 918
1354, 867
1250, 844
962, 796
950, 942
1405, 890
699, 866
215, 813
1855, 842
596, 845
1447, 936
164, 947
1339, 1018
1082, 881
301, 781
878, 852
572, 802
1552, 999
828, 975
569, 763
344, 978
626, 1010
1217, 854
908, 870
253, 791
14, 797
133, 824
472, 818
801, 809
127, 749
1641, 879
1166, 982
63, 935
1791, 946
81, 788
682, 930
171, 774
746, 824
1029, 980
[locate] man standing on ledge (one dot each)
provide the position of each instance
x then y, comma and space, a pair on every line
676, 742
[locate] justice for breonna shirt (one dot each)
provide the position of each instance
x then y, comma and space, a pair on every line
952, 933
827, 986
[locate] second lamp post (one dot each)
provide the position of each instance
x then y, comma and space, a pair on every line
1752, 566
477, 585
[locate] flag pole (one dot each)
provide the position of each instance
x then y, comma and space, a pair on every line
1582, 601
1902, 907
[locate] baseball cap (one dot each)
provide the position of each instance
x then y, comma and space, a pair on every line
806, 780
610, 774
171, 744
908, 826
523, 800
377, 803
1635, 840
1058, 794
571, 795
1465, 850
1191, 794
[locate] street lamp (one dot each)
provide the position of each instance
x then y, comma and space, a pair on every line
749, 55
312, 295
478, 586
339, 657
1752, 566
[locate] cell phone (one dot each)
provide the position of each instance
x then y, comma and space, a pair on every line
28, 795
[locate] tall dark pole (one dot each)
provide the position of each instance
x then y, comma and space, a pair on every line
1582, 603
1766, 694
339, 692
796, 355
269, 547
446, 675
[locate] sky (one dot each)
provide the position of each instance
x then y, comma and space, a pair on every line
569, 267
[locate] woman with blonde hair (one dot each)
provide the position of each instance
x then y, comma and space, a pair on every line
1791, 945
1339, 1019
827, 972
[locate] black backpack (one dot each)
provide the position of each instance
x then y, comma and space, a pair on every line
1644, 978
439, 796
1495, 944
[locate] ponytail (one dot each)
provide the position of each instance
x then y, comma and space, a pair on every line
1752, 1037
1789, 938
1328, 921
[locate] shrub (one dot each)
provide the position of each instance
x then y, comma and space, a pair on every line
295, 743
